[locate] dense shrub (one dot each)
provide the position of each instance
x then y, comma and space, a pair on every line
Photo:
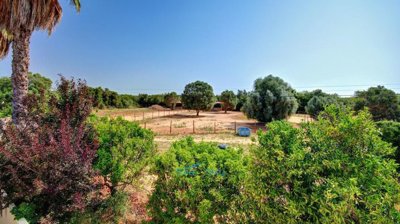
334, 170
198, 96
105, 98
383, 103
318, 103
124, 150
272, 99
196, 183
390, 132
46, 164
146, 100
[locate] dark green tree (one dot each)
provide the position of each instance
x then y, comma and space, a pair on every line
272, 99
198, 96
318, 103
383, 103
242, 98
229, 99
305, 96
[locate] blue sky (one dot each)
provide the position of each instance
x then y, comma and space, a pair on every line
154, 46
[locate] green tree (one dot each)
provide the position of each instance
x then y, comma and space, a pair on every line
229, 99
242, 98
390, 132
38, 85
334, 170
198, 96
319, 102
171, 99
18, 20
196, 183
383, 103
272, 99
305, 96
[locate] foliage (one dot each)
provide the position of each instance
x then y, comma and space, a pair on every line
198, 96
229, 99
20, 17
305, 96
390, 132
334, 170
196, 182
241, 99
171, 99
46, 165
124, 150
383, 103
146, 100
272, 99
37, 83
318, 103
110, 211
105, 98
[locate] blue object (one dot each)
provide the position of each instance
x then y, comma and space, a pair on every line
244, 131
222, 146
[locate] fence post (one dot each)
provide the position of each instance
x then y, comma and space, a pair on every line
193, 127
215, 128
170, 127
235, 128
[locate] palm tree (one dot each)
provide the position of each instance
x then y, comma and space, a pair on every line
18, 20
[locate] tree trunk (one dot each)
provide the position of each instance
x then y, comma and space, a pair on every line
197, 112
19, 77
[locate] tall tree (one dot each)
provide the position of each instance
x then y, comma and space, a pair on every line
272, 99
18, 20
198, 96
383, 103
229, 99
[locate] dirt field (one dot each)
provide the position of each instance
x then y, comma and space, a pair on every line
210, 126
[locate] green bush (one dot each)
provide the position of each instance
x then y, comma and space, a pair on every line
124, 150
390, 132
109, 211
334, 170
196, 183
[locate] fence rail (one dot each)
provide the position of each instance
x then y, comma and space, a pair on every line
177, 127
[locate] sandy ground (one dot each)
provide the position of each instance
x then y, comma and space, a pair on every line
210, 126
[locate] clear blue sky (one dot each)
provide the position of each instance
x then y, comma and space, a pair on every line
156, 46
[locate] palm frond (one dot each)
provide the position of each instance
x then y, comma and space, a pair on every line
31, 14
5, 42
77, 4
